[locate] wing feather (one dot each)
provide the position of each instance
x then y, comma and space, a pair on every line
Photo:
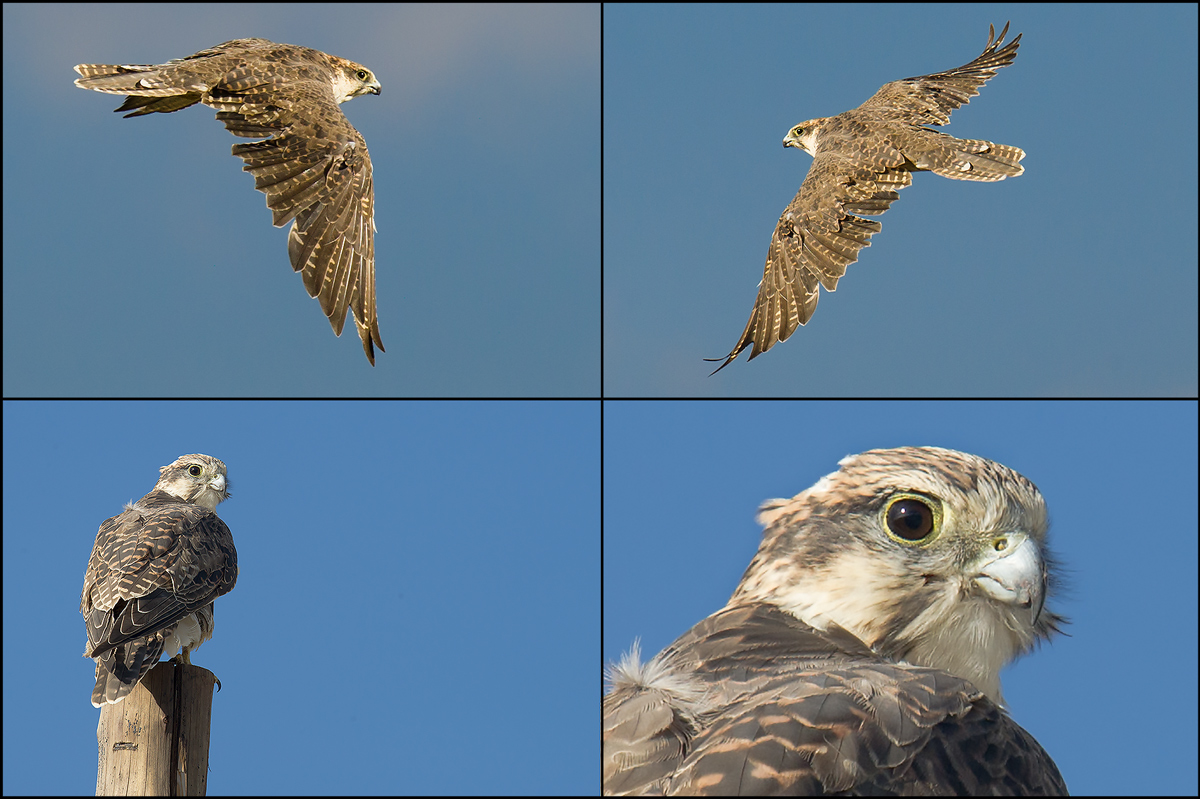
152, 566
787, 709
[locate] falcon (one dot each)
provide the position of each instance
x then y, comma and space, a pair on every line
860, 654
311, 163
154, 572
861, 159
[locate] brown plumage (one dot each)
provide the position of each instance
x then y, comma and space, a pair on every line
312, 164
153, 574
861, 159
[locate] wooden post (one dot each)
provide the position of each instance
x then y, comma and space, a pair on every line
155, 741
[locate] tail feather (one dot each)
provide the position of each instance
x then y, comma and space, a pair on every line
974, 159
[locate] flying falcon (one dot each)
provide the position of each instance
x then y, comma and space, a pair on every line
861, 159
860, 654
154, 572
312, 164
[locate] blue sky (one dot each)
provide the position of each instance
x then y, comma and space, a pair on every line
140, 261
419, 588
1114, 703
1077, 278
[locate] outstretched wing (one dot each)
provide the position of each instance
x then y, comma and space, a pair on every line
816, 238
929, 99
314, 169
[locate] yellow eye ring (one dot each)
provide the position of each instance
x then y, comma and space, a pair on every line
912, 519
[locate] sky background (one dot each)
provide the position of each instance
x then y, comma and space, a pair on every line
419, 589
1077, 278
1114, 704
140, 261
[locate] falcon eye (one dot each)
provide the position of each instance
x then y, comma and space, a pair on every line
362, 74
911, 518
194, 470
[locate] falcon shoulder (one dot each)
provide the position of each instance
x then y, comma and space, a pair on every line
754, 701
153, 564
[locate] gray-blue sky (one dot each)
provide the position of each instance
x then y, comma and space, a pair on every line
139, 259
1113, 703
1076, 278
417, 610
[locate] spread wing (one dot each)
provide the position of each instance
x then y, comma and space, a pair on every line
752, 701
314, 167
929, 99
152, 566
817, 237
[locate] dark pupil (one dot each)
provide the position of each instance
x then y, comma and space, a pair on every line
910, 519
194, 471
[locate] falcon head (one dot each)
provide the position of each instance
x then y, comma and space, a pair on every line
199, 479
804, 135
927, 555
351, 80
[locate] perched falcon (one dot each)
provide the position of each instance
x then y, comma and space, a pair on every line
312, 164
861, 652
153, 575
861, 159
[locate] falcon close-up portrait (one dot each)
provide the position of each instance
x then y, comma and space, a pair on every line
861, 159
154, 572
861, 651
311, 163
